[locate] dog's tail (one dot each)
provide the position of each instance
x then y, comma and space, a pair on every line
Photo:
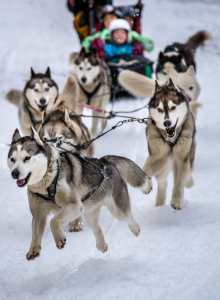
198, 39
131, 172
14, 96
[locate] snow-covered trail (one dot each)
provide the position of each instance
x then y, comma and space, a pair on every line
177, 253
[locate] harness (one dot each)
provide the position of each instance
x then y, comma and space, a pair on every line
52, 189
33, 120
89, 95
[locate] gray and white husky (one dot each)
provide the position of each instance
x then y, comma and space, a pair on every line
39, 97
93, 84
170, 134
67, 183
171, 142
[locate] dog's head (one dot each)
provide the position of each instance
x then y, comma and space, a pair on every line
61, 130
86, 67
41, 91
168, 108
27, 159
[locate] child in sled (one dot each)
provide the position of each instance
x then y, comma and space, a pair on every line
145, 43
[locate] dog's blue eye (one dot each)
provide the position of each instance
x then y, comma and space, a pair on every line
26, 158
12, 160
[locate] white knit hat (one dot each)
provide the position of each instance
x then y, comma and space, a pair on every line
119, 24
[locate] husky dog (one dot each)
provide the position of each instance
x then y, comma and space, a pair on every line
171, 142
65, 130
93, 84
65, 183
179, 56
39, 97
142, 86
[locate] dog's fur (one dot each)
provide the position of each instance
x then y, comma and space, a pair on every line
179, 56
40, 96
171, 142
81, 183
92, 84
142, 86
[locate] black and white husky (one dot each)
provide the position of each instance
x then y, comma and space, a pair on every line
179, 56
65, 184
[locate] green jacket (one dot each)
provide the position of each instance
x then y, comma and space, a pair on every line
132, 37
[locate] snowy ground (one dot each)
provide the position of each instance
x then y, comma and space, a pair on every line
177, 253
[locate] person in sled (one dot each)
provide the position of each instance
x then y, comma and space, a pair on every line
81, 10
139, 42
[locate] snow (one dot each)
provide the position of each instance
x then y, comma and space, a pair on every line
176, 255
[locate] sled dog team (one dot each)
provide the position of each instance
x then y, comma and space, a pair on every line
66, 181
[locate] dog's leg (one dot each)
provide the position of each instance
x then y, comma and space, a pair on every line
38, 226
119, 206
161, 189
71, 211
95, 122
92, 218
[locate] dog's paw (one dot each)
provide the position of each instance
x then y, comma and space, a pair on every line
76, 226
135, 228
61, 243
176, 205
33, 252
147, 186
103, 247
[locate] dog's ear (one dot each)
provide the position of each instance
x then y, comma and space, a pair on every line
36, 137
82, 52
170, 84
16, 136
48, 73
161, 56
190, 71
73, 56
73, 125
32, 73
157, 87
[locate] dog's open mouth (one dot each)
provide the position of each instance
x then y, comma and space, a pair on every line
23, 182
42, 107
171, 130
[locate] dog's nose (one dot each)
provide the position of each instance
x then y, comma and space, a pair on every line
15, 173
83, 79
167, 123
42, 101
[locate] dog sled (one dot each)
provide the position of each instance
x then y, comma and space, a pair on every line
92, 22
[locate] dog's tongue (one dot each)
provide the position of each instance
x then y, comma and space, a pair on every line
21, 182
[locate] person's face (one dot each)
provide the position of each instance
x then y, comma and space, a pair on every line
130, 20
108, 19
120, 36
